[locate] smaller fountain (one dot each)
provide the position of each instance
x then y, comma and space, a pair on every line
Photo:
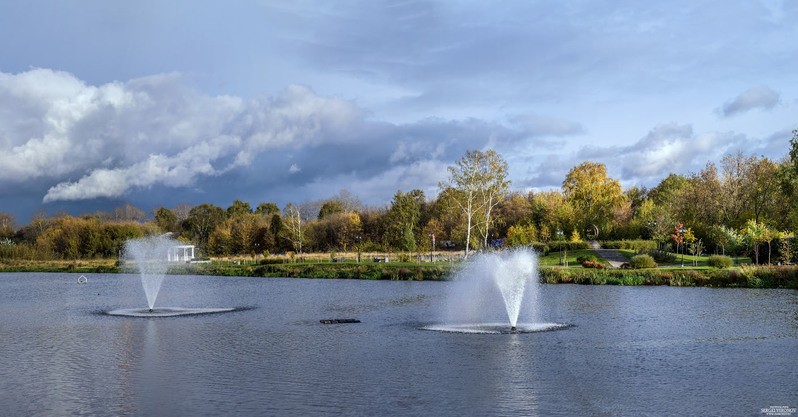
495, 293
150, 257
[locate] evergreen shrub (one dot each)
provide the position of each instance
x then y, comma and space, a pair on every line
720, 261
642, 261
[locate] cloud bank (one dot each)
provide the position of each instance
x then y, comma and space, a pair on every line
122, 138
156, 141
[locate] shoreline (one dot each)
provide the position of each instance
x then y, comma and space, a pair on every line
737, 277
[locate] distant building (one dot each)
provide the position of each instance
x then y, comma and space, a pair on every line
181, 253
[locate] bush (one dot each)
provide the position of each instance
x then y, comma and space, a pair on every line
540, 248
642, 261
584, 258
559, 246
635, 245
661, 256
593, 264
720, 261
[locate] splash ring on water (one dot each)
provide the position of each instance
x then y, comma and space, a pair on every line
82, 279
496, 328
167, 311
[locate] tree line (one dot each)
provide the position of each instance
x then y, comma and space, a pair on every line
737, 207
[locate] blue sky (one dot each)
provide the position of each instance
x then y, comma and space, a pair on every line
160, 103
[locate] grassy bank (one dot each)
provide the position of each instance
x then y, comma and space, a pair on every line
702, 276
745, 277
324, 270
101, 266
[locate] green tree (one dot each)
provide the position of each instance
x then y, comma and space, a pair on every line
755, 234
521, 235
667, 190
202, 220
330, 207
786, 248
402, 220
239, 208
727, 238
166, 219
267, 209
593, 195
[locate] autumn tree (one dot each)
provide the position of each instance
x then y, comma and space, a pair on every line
129, 212
6, 226
515, 208
492, 190
446, 211
295, 228
478, 181
593, 195
696, 203
337, 231
763, 188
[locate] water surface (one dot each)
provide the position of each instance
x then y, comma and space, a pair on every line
630, 351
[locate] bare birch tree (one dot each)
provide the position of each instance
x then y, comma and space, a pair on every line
479, 180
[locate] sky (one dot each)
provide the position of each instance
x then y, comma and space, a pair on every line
160, 103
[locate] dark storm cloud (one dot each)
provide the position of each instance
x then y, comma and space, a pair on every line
124, 141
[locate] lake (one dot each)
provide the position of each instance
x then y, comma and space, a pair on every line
630, 351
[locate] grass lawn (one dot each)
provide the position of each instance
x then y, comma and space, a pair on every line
555, 258
694, 262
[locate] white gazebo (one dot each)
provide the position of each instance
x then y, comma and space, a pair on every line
180, 253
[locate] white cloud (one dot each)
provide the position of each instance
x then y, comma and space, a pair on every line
148, 131
759, 96
667, 148
117, 139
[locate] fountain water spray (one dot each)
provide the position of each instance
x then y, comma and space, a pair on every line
150, 255
495, 293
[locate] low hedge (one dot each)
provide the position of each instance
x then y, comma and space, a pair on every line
637, 245
560, 246
746, 276
325, 270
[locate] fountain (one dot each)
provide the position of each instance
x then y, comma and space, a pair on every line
492, 292
150, 256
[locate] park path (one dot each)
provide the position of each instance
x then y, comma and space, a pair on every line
611, 255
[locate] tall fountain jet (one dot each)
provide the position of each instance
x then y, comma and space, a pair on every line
492, 292
150, 255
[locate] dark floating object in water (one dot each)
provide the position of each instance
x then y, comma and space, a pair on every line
513, 329
338, 321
